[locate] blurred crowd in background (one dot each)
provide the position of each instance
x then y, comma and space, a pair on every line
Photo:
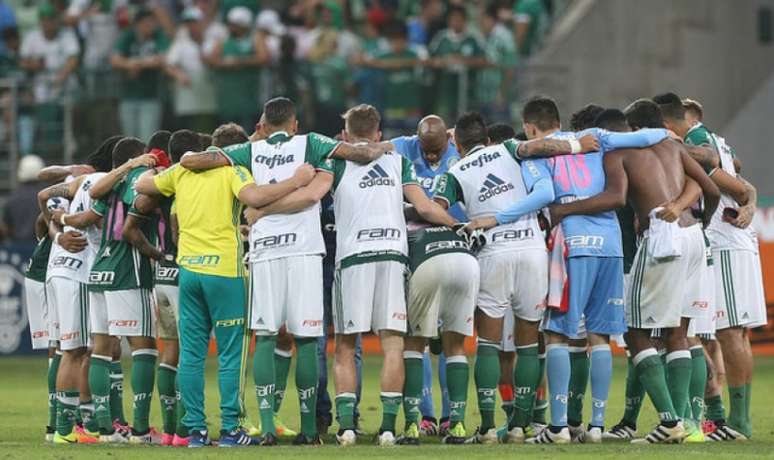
73, 72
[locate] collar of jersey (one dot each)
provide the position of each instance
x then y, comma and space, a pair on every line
279, 136
693, 128
476, 148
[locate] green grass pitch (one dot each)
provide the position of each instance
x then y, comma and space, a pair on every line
23, 416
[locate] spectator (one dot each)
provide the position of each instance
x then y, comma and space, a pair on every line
49, 54
531, 17
327, 18
237, 60
139, 56
429, 21
194, 94
253, 5
9, 68
367, 79
7, 21
21, 209
493, 82
329, 77
269, 24
456, 52
290, 78
96, 21
402, 80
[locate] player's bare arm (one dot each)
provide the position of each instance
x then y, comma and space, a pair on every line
134, 235
258, 196
57, 173
209, 159
61, 190
747, 211
103, 186
361, 153
71, 240
295, 202
710, 191
82, 219
613, 197
691, 193
427, 209
731, 186
553, 147
706, 156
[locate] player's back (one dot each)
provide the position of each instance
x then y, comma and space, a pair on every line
655, 175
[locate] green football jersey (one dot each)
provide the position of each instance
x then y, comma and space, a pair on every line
430, 242
36, 270
167, 270
119, 265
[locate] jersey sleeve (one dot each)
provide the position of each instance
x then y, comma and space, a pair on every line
407, 173
639, 139
698, 137
448, 189
100, 206
129, 194
319, 148
533, 171
238, 155
512, 145
240, 178
401, 145
167, 180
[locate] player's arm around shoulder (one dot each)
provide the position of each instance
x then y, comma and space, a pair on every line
213, 157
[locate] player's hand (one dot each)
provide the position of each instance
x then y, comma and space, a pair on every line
670, 212
555, 214
484, 223
73, 241
148, 160
252, 215
303, 175
589, 143
244, 230
744, 217
80, 170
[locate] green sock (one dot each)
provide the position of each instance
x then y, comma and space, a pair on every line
651, 372
526, 378
99, 384
457, 376
679, 369
507, 407
117, 392
634, 394
307, 375
412, 386
345, 410
86, 409
143, 375
736, 413
748, 415
698, 383
282, 360
53, 368
263, 376
715, 410
390, 407
579, 378
167, 397
541, 405
66, 408
78, 418
486, 375
180, 429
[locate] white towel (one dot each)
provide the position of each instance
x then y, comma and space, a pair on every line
663, 237
558, 282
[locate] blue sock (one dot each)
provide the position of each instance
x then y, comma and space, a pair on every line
426, 406
601, 375
445, 410
558, 374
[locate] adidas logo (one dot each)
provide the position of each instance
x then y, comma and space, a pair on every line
265, 405
350, 324
493, 185
304, 408
260, 322
376, 176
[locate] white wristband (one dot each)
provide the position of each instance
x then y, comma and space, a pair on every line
575, 146
56, 237
62, 220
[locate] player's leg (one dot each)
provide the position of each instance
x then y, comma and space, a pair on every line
507, 357
429, 423
100, 363
226, 298
731, 340
131, 314
166, 298
413, 363
526, 378
55, 358
698, 383
389, 322
715, 413
579, 379
352, 310
35, 296
72, 311
305, 323
266, 317
458, 376
541, 403
283, 357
